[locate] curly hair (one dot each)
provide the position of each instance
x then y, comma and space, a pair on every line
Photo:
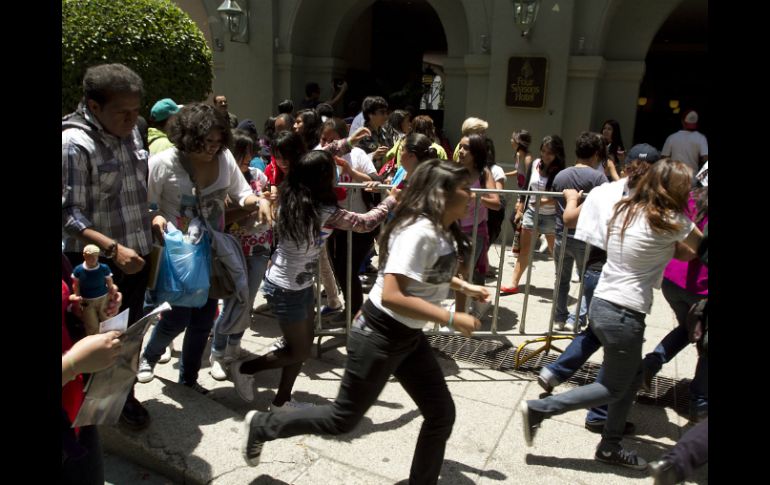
188, 130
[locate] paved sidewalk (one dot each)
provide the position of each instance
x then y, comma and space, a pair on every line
196, 439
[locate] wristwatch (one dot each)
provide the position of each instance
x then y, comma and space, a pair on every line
112, 250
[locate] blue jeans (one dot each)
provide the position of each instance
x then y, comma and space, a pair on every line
198, 322
374, 355
573, 253
680, 301
591, 279
621, 333
577, 353
256, 264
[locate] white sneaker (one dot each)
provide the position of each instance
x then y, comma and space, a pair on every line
218, 368
543, 248
559, 326
290, 406
570, 327
243, 383
145, 373
167, 354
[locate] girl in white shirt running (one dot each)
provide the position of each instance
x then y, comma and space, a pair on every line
418, 264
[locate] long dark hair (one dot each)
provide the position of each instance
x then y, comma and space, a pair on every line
189, 128
311, 127
289, 146
478, 148
661, 192
555, 144
617, 139
308, 187
429, 187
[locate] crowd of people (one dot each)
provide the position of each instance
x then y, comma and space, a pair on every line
204, 173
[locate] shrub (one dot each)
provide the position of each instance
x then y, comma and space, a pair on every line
153, 37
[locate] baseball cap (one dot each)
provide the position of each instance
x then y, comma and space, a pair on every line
691, 119
164, 108
643, 151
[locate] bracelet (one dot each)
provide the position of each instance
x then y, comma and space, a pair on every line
112, 250
450, 324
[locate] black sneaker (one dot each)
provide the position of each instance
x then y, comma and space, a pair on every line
598, 427
531, 421
134, 416
621, 457
197, 388
250, 446
664, 472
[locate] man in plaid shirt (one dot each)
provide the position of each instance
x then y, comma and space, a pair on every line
104, 179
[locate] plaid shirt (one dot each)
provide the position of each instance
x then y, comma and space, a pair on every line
109, 196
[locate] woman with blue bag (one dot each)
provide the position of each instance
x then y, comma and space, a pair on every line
188, 186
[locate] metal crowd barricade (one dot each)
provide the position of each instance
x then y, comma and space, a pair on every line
546, 338
319, 331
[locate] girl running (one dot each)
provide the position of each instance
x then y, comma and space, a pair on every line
418, 262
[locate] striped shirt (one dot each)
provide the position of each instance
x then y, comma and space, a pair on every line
108, 196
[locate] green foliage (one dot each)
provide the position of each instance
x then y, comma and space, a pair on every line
153, 37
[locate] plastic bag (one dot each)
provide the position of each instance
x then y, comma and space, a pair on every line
184, 274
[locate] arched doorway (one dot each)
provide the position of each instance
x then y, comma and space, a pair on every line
404, 34
676, 75
358, 33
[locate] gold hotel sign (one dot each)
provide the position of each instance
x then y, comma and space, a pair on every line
526, 82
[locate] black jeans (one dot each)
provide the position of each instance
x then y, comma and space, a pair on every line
88, 468
379, 347
338, 247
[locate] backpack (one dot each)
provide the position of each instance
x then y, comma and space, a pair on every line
77, 120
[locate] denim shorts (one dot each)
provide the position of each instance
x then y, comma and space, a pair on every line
289, 305
546, 224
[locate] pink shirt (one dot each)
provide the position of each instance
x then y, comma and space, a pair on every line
693, 276
467, 221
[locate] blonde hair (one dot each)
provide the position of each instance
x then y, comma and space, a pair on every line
474, 125
91, 249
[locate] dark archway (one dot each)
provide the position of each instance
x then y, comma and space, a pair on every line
401, 33
676, 72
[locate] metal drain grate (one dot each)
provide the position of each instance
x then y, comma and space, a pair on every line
666, 392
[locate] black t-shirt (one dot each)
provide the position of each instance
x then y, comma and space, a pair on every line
578, 178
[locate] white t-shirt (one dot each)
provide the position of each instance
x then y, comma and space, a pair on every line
686, 146
538, 182
634, 266
498, 174
359, 161
170, 189
592, 223
425, 255
294, 266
